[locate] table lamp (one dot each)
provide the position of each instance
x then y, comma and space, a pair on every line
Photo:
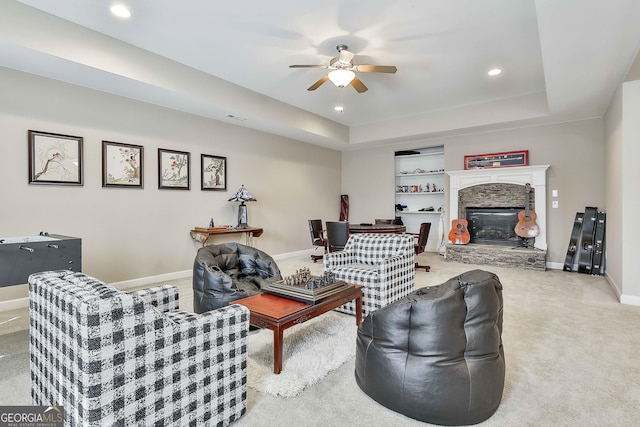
242, 195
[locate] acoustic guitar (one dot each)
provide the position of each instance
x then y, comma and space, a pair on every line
459, 234
526, 226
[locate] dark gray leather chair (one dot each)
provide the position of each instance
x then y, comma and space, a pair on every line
227, 272
436, 355
337, 235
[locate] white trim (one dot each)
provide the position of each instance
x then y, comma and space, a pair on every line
534, 175
295, 254
560, 266
630, 300
555, 265
12, 304
127, 284
613, 285
142, 281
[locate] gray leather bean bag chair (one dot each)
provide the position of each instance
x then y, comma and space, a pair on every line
227, 272
436, 355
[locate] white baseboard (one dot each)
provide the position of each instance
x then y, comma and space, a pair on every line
12, 304
555, 265
624, 299
124, 285
305, 252
142, 281
613, 285
630, 300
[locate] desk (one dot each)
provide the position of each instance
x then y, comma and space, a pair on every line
202, 236
377, 228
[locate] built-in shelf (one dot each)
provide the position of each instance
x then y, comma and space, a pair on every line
420, 212
420, 174
437, 152
422, 193
409, 180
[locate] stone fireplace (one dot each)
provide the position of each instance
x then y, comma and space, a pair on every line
490, 200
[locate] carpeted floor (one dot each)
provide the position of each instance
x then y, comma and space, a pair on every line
311, 350
571, 351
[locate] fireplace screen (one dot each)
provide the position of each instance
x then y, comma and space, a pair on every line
493, 226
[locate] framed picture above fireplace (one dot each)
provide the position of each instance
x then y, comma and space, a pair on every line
506, 159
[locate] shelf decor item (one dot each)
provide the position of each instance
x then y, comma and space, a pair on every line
55, 158
173, 169
214, 173
122, 165
497, 160
242, 195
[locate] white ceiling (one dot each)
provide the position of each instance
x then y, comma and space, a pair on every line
562, 60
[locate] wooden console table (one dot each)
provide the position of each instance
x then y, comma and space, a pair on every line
250, 232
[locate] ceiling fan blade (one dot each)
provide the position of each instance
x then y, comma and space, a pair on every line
308, 66
319, 83
377, 68
358, 85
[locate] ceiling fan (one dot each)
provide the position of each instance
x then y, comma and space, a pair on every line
343, 71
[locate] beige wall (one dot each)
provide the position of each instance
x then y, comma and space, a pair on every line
622, 174
574, 150
613, 161
134, 233
368, 179
628, 190
129, 234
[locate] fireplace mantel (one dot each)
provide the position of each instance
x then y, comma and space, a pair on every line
534, 175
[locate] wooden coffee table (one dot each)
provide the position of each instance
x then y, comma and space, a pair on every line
277, 313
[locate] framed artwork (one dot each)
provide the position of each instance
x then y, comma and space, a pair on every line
506, 159
214, 173
55, 158
173, 170
122, 165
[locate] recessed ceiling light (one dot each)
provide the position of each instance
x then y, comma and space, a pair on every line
338, 109
495, 71
121, 11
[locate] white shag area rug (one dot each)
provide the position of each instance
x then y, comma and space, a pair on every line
311, 350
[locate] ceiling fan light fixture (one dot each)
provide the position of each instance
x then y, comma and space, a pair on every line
341, 78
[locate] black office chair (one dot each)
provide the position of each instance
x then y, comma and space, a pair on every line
337, 235
421, 243
317, 237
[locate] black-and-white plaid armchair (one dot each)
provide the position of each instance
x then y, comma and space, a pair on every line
132, 358
383, 263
